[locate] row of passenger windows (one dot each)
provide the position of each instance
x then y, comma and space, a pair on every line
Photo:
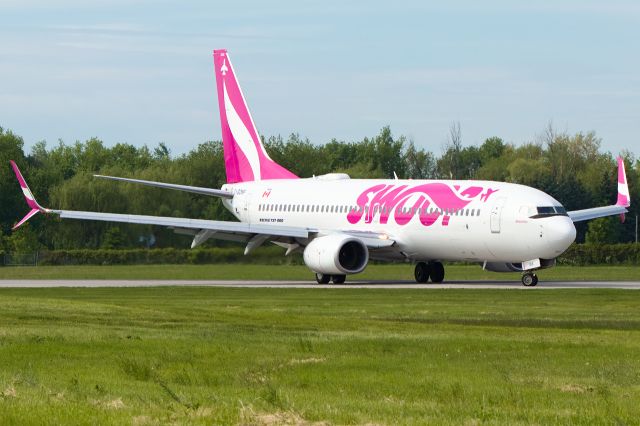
321, 208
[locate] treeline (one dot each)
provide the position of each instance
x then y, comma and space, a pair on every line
572, 168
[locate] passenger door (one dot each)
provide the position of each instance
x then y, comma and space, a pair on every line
496, 215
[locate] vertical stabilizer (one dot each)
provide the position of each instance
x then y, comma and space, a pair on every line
244, 155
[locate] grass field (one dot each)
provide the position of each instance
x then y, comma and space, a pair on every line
302, 356
392, 272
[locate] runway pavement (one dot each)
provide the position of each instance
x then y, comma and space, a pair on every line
630, 285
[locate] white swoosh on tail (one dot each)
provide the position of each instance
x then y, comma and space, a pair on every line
241, 135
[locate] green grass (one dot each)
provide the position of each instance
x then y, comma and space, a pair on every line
270, 356
294, 272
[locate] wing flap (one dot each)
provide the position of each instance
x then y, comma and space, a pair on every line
185, 223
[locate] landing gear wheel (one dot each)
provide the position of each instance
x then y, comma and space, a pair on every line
529, 279
422, 272
338, 279
437, 272
322, 278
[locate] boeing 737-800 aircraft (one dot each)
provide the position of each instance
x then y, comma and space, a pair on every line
340, 223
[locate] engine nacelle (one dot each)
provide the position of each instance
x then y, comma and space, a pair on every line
336, 254
516, 267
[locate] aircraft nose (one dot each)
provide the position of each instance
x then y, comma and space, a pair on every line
559, 233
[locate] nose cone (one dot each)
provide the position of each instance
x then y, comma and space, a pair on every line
559, 233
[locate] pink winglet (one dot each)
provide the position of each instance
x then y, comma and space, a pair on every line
245, 158
28, 195
623, 188
26, 218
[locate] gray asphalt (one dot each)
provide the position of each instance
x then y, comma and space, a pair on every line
630, 285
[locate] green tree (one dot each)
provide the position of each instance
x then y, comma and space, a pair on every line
605, 230
11, 200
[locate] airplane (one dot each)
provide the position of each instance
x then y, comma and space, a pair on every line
339, 223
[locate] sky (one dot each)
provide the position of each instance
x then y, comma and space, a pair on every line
141, 72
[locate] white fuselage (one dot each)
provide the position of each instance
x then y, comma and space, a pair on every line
428, 219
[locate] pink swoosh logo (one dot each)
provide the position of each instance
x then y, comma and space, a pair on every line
428, 201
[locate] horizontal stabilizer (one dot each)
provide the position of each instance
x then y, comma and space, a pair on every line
186, 188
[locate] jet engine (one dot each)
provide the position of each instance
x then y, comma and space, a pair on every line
336, 254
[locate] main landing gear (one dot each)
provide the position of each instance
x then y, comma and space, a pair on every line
529, 279
325, 278
433, 270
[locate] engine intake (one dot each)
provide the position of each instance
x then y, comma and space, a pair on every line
336, 254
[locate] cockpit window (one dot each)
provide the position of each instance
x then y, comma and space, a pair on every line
547, 211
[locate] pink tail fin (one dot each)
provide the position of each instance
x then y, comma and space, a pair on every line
244, 155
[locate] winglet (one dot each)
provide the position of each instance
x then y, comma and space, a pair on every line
623, 189
624, 199
28, 196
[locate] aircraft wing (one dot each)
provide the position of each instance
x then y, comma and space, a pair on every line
620, 207
202, 229
195, 189
596, 212
253, 234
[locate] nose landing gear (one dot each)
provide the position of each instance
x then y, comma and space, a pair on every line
529, 279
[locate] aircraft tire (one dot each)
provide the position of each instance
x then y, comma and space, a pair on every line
338, 279
322, 278
529, 279
437, 272
422, 272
